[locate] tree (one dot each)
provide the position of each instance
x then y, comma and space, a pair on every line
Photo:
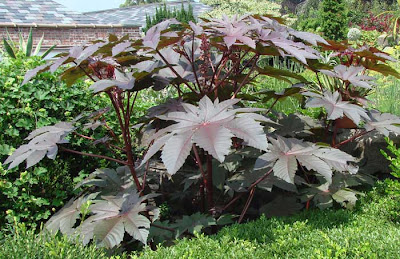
334, 19
138, 2
164, 13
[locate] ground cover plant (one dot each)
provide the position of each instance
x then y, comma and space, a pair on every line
206, 148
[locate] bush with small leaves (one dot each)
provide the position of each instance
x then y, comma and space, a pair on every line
32, 195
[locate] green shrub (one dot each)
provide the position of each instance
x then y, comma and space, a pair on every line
366, 232
309, 16
394, 161
240, 7
334, 20
30, 195
24, 243
163, 13
360, 9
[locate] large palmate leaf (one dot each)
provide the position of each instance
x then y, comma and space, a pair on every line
65, 219
116, 215
42, 142
335, 107
285, 153
193, 223
108, 180
111, 217
287, 47
153, 35
210, 126
351, 74
234, 29
171, 105
124, 81
383, 122
281, 206
324, 194
293, 125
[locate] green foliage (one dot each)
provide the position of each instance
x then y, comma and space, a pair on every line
25, 243
360, 9
367, 232
32, 195
240, 7
138, 2
386, 95
334, 19
370, 37
24, 48
394, 19
308, 16
394, 161
163, 13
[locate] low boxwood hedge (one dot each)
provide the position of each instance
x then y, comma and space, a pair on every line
372, 230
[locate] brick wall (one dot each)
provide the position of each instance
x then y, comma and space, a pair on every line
69, 36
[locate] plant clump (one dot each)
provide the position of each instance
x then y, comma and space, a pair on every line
212, 142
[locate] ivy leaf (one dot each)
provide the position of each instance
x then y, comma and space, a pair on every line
335, 107
383, 122
285, 153
350, 74
211, 126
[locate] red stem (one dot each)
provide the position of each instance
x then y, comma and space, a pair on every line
245, 79
352, 138
251, 187
209, 186
174, 71
246, 207
93, 155
127, 140
198, 161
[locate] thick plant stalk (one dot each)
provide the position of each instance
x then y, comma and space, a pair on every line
203, 184
127, 139
93, 155
262, 178
352, 138
246, 207
209, 186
